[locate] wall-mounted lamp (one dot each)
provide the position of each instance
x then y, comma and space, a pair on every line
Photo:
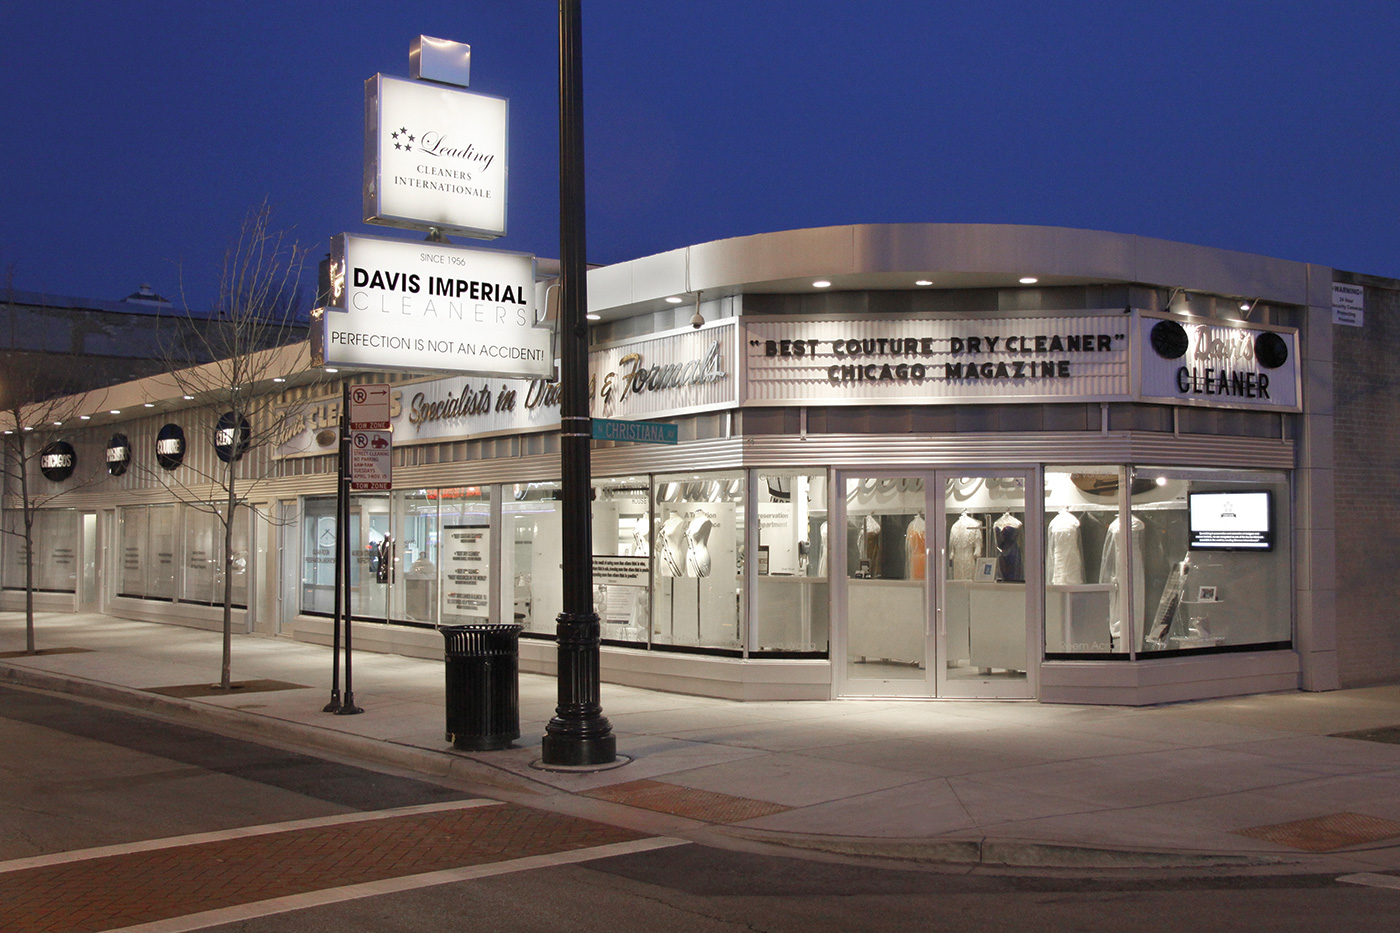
1247, 305
697, 320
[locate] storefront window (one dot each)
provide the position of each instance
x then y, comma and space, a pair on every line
148, 552
790, 571
133, 550
533, 553
699, 560
1086, 598
55, 550
318, 556
13, 543
1215, 559
203, 544
465, 516
621, 521
415, 566
161, 552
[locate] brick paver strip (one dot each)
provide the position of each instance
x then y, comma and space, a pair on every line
123, 890
1326, 833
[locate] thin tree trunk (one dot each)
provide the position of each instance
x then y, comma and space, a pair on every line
226, 675
29, 647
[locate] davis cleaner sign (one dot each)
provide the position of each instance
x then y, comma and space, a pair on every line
424, 307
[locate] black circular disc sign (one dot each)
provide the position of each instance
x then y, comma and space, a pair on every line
1169, 340
118, 454
170, 446
56, 461
231, 436
1270, 350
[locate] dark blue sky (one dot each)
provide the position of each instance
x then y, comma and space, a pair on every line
138, 134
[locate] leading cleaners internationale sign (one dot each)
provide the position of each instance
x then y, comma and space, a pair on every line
424, 307
434, 156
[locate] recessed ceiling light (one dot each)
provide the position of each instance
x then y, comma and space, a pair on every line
922, 282
58, 424
85, 417
278, 379
821, 283
9, 432
1029, 280
188, 398
593, 317
29, 427
675, 300
332, 369
150, 405
115, 411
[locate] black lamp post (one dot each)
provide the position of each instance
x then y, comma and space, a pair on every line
579, 733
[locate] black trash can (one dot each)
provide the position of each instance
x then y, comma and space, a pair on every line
483, 685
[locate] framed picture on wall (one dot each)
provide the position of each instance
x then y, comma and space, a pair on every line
1207, 594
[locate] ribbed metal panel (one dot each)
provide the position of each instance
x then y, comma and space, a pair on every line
1000, 449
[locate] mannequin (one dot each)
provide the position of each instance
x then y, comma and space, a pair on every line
821, 555
868, 543
1008, 537
1064, 561
641, 534
964, 547
697, 555
1108, 573
673, 547
916, 548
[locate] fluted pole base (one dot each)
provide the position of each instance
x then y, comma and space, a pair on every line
579, 734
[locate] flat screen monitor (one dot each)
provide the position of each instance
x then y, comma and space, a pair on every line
1231, 521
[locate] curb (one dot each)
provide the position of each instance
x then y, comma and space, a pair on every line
442, 764
1002, 853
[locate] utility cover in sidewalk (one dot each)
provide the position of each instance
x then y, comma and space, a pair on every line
688, 802
1325, 833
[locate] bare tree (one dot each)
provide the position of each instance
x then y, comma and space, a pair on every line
252, 337
34, 426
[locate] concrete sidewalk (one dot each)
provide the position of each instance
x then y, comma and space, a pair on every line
1204, 785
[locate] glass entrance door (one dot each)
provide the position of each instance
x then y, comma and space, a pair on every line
986, 576
887, 646
939, 569
87, 581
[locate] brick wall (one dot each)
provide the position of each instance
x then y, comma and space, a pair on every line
1366, 391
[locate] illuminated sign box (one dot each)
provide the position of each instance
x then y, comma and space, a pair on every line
435, 157
430, 307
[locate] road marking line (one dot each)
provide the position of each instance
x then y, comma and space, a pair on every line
242, 832
282, 905
1372, 880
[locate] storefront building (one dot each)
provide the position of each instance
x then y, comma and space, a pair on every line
912, 461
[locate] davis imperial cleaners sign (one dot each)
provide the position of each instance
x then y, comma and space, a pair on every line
423, 307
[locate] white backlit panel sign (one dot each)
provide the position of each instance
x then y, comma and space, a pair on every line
435, 157
936, 360
424, 307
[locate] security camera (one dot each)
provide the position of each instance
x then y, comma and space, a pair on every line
697, 320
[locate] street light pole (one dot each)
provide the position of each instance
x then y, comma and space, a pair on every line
579, 734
